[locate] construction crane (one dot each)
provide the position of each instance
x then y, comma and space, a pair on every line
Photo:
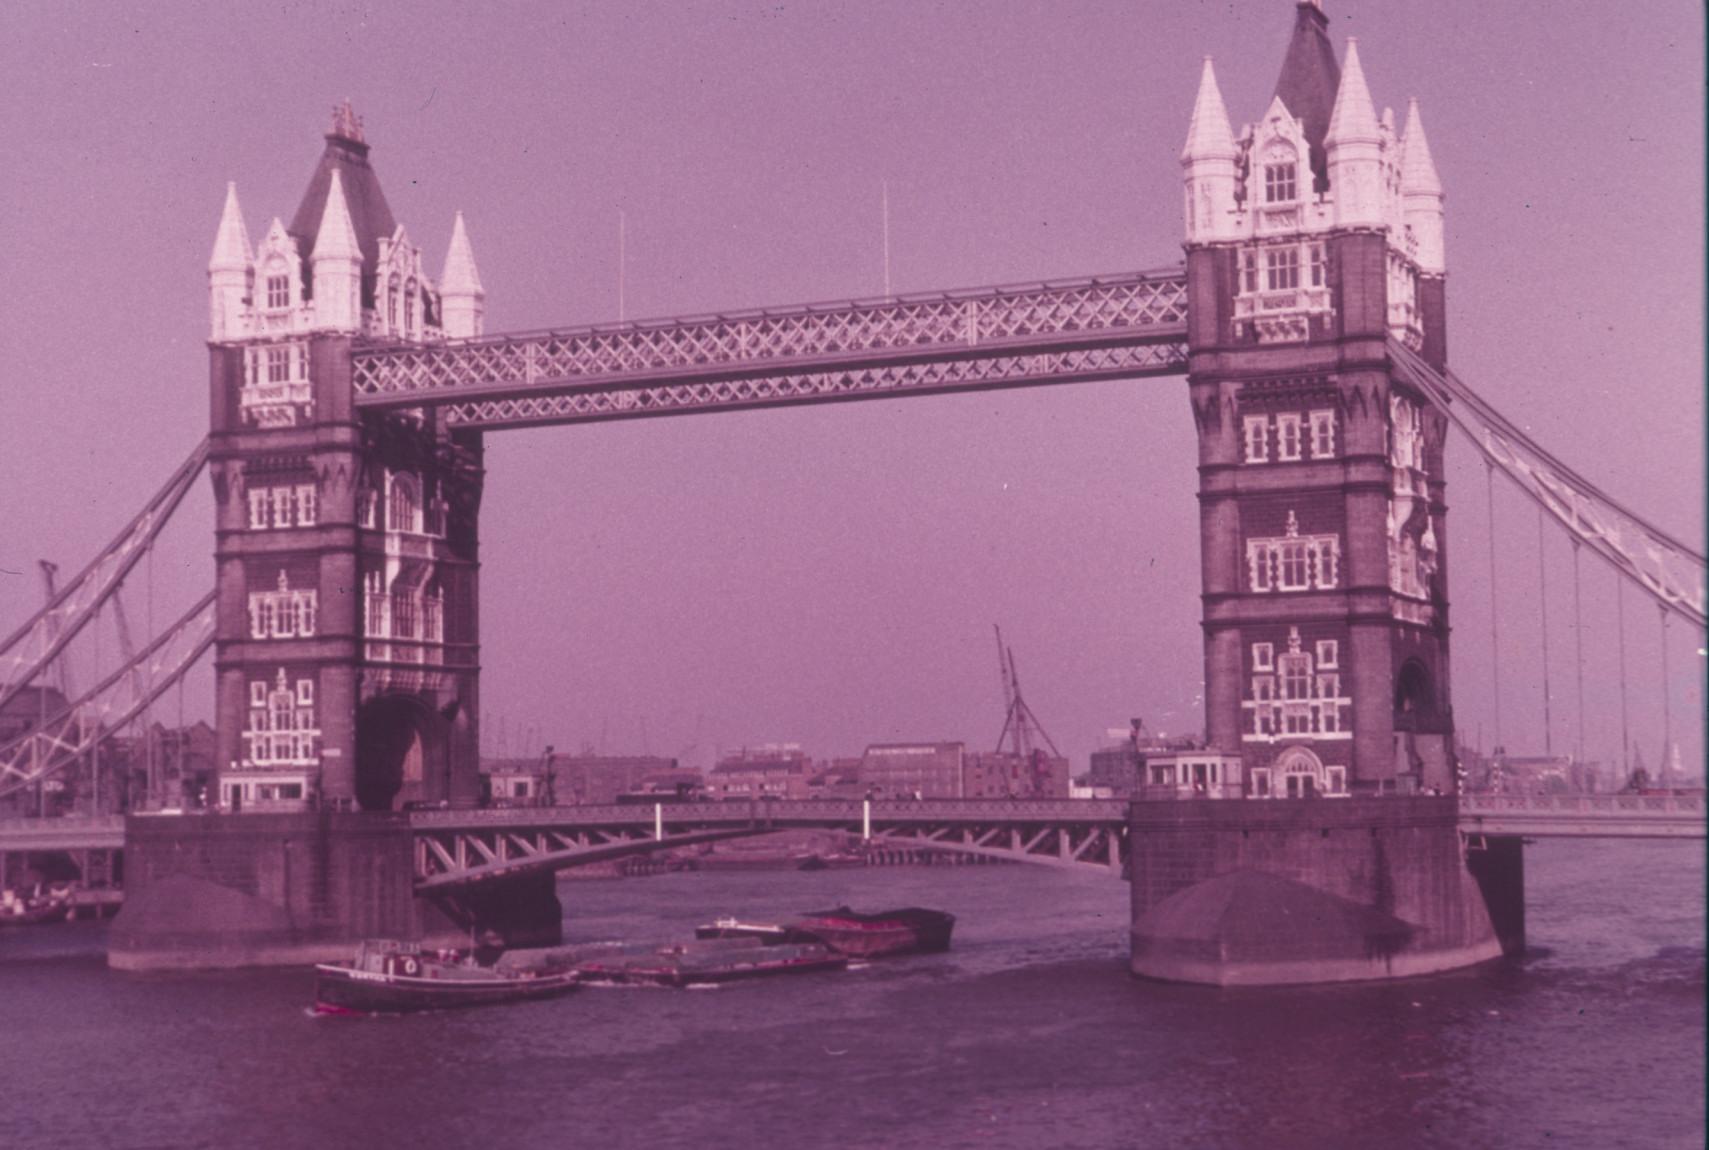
1021, 728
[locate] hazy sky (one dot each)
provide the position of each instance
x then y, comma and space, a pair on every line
831, 575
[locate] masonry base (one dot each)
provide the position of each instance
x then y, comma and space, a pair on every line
214, 890
1275, 892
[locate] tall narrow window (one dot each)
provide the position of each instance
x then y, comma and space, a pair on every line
1317, 269
1279, 183
278, 292
409, 307
1263, 656
1288, 437
281, 506
258, 503
306, 509
1296, 676
278, 365
1322, 434
1257, 438
1249, 271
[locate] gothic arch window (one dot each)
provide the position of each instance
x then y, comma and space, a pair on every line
392, 293
409, 307
403, 506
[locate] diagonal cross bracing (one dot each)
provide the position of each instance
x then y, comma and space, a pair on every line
28, 650
110, 704
1118, 326
1668, 570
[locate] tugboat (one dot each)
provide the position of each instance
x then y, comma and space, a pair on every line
908, 930
391, 977
38, 906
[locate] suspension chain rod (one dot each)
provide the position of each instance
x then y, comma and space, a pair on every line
1578, 648
1543, 605
31, 648
1669, 572
115, 701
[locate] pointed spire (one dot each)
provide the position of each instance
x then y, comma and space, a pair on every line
1417, 169
1354, 117
232, 251
460, 276
336, 236
1209, 134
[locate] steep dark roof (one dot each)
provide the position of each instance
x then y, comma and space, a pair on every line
369, 212
1309, 80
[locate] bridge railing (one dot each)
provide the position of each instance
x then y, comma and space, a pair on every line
793, 810
1583, 804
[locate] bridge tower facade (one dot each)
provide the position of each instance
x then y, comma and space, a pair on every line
1314, 237
347, 650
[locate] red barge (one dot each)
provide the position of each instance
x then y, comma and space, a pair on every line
908, 930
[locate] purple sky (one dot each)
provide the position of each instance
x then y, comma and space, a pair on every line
830, 575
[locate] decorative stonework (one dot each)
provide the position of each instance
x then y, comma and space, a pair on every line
1296, 695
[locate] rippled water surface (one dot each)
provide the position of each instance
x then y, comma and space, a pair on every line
1029, 1033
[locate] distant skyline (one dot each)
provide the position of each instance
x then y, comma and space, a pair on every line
830, 576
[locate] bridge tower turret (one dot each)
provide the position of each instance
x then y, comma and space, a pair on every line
1313, 240
347, 641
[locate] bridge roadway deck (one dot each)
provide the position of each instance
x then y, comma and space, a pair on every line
1036, 830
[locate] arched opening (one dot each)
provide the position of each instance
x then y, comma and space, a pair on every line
1300, 774
402, 753
1414, 695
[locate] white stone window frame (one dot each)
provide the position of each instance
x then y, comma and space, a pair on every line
308, 510
260, 506
1256, 433
1290, 438
1263, 656
1281, 180
1328, 652
1337, 780
278, 287
1249, 278
1291, 564
1322, 439
284, 510
1282, 267
1318, 262
278, 358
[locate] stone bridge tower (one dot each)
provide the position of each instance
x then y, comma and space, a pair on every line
347, 651
1313, 239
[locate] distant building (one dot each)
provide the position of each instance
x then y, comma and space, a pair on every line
1120, 764
599, 779
24, 711
773, 771
514, 782
1004, 775
914, 770
1201, 773
839, 779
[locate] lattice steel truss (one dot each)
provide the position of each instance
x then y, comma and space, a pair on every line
29, 650
1668, 570
1067, 331
74, 731
461, 848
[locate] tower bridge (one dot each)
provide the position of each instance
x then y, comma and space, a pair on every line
350, 393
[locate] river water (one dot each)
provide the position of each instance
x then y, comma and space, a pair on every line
1028, 1033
